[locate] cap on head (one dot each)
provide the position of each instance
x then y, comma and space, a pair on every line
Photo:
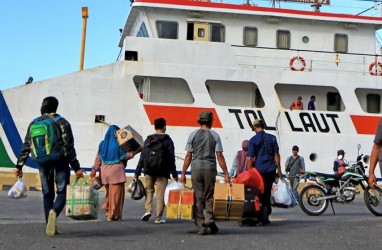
299, 97
205, 116
258, 123
49, 105
341, 152
295, 147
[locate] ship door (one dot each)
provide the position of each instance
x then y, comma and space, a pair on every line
201, 32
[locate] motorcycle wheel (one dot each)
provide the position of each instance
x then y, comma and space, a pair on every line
373, 200
309, 203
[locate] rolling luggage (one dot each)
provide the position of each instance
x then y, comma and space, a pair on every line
252, 207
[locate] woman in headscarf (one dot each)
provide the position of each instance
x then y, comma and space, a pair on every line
239, 162
111, 160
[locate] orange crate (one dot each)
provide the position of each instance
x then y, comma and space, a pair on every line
174, 197
188, 198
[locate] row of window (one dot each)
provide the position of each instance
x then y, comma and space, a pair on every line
247, 94
216, 33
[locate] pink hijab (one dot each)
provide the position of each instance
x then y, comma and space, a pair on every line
241, 158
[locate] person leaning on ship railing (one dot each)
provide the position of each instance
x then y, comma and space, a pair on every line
297, 104
53, 159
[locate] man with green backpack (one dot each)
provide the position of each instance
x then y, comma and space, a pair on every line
50, 141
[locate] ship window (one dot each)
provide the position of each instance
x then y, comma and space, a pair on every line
373, 103
142, 31
250, 36
167, 29
341, 43
163, 89
283, 39
217, 33
234, 93
369, 99
201, 32
333, 101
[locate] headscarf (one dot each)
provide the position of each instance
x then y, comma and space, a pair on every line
109, 150
241, 158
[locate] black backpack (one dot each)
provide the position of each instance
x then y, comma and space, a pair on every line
154, 153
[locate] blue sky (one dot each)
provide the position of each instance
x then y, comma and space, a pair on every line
42, 38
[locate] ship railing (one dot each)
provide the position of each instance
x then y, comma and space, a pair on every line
309, 60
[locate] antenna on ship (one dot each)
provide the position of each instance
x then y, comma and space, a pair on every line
84, 17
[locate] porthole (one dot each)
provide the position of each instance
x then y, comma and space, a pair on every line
313, 157
305, 39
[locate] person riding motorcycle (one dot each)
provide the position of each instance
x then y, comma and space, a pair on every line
339, 165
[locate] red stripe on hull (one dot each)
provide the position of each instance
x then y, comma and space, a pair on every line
258, 8
366, 125
179, 116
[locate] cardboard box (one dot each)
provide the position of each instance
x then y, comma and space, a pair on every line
228, 201
180, 205
187, 212
237, 192
129, 139
172, 211
221, 191
174, 196
220, 210
187, 197
235, 211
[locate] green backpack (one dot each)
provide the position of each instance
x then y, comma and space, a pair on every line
45, 139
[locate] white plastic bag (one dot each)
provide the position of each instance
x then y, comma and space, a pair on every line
172, 185
281, 194
130, 188
18, 190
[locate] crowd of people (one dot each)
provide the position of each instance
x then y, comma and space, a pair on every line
204, 151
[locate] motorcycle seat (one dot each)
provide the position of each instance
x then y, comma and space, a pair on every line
334, 176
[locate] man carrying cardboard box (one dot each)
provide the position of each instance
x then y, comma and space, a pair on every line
158, 161
203, 147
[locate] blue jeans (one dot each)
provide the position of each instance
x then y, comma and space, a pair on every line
58, 173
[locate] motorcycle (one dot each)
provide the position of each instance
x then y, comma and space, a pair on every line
328, 188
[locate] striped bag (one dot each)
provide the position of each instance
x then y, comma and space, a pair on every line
81, 201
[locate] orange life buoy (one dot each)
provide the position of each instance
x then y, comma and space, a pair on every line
373, 69
299, 58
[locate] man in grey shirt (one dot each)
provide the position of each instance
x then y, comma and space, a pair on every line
294, 165
203, 147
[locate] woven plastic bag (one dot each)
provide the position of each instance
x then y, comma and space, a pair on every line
82, 201
18, 190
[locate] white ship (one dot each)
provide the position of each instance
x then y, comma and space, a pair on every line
179, 57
